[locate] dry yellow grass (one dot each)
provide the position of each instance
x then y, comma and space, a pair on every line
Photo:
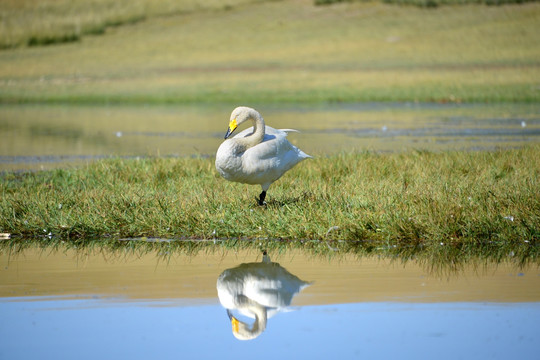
292, 51
32, 22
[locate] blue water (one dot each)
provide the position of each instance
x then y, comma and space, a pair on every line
67, 328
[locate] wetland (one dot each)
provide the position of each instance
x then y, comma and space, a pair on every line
413, 233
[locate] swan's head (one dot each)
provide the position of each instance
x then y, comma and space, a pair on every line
240, 329
243, 331
238, 116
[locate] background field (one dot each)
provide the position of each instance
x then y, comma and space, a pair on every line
267, 51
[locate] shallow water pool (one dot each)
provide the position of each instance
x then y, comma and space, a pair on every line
61, 304
41, 137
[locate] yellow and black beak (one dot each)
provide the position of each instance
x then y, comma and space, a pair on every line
234, 322
232, 126
235, 327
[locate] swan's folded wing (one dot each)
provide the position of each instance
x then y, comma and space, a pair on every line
279, 132
244, 133
274, 151
270, 133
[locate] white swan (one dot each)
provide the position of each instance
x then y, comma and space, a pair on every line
257, 290
258, 155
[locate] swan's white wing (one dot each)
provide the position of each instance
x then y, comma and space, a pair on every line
275, 145
268, 131
286, 131
268, 161
244, 133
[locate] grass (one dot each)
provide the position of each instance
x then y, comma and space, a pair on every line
438, 207
31, 23
47, 22
276, 52
431, 3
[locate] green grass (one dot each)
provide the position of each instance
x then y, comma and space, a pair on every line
438, 207
282, 51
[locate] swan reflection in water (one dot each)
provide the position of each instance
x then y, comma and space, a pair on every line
257, 290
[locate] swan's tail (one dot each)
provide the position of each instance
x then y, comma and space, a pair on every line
304, 155
301, 154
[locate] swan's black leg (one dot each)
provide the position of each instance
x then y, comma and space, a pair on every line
261, 198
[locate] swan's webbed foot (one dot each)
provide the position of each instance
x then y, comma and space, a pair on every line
261, 198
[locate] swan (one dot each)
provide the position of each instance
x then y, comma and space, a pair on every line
257, 290
257, 155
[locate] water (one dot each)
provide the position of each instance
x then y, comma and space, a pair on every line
92, 330
101, 305
41, 137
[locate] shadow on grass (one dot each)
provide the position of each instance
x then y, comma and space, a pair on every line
306, 196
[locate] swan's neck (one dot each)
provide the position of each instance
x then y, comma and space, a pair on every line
257, 136
241, 330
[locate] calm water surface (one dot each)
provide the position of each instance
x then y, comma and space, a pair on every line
58, 305
36, 137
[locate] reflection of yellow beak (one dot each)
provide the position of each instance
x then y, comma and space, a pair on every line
232, 126
234, 322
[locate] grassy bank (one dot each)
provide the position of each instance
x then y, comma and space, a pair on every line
437, 206
287, 51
